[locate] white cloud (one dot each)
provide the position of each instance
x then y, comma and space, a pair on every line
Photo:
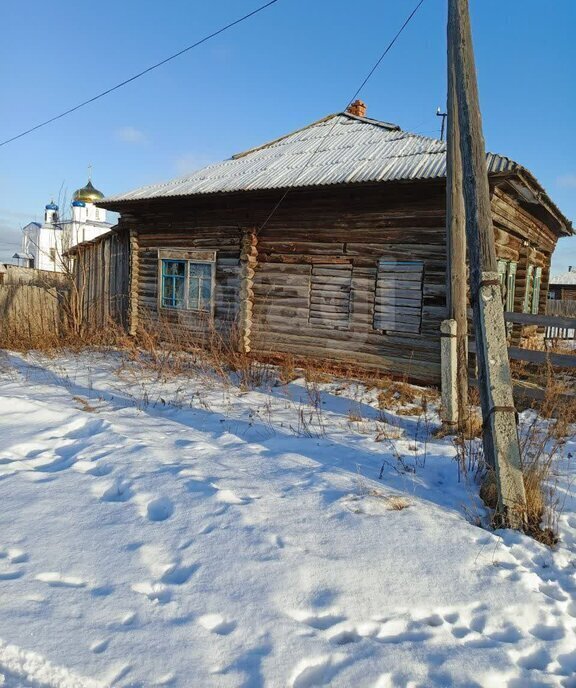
131, 135
568, 181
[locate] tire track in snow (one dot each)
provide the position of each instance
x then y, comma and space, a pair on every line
24, 669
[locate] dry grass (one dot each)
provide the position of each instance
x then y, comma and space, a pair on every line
396, 503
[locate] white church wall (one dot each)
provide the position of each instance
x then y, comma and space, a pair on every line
48, 243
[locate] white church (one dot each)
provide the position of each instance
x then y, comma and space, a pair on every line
43, 245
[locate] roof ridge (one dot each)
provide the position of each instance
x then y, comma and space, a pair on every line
366, 120
236, 156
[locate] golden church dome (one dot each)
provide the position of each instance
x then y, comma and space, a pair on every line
88, 194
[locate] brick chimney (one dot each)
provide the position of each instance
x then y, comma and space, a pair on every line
357, 108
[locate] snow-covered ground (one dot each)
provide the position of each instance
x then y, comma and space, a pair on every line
182, 533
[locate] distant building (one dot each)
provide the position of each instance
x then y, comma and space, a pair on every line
43, 245
563, 287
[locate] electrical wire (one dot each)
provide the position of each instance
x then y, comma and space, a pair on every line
140, 74
356, 94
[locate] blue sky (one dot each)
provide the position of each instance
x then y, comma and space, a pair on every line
294, 63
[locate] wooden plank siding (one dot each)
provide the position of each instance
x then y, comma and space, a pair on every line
312, 268
101, 272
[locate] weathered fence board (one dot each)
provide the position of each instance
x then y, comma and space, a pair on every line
30, 312
101, 276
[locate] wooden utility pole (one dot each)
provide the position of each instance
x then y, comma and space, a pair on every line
456, 236
500, 432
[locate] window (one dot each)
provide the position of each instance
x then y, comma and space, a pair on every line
507, 276
532, 293
527, 307
536, 290
187, 280
53, 255
398, 298
330, 289
173, 283
511, 286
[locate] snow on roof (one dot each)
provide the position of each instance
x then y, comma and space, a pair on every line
565, 278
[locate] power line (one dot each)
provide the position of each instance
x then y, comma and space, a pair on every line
142, 73
386, 51
356, 94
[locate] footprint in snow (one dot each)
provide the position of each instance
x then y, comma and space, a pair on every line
229, 497
117, 490
9, 563
58, 580
154, 508
543, 632
100, 646
216, 623
159, 509
320, 621
315, 671
155, 592
92, 468
177, 574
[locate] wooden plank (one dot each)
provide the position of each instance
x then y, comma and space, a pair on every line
396, 284
338, 307
330, 289
391, 300
322, 280
399, 313
329, 300
391, 326
401, 267
538, 357
542, 320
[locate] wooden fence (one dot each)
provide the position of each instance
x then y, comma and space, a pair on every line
101, 274
561, 309
29, 313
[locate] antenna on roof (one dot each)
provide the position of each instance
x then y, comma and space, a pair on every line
439, 113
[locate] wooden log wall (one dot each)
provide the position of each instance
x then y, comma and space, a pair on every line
158, 233
315, 286
319, 238
248, 263
525, 239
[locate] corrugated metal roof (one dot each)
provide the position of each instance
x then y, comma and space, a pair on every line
568, 278
339, 149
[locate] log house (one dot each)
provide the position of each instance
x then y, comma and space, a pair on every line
328, 243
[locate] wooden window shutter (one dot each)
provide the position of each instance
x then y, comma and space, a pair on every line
330, 289
536, 290
502, 265
511, 287
528, 289
398, 299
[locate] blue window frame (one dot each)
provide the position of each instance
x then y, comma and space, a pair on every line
187, 284
173, 283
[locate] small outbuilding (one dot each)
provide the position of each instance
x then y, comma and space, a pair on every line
563, 287
327, 243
